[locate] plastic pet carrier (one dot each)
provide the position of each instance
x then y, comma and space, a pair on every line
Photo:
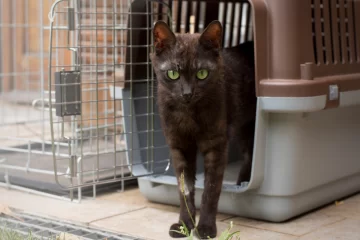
307, 58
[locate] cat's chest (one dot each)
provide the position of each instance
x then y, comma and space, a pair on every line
183, 122
190, 122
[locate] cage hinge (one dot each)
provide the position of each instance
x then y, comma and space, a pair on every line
306, 71
67, 93
73, 166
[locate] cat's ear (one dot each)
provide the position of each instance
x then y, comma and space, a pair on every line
163, 36
211, 38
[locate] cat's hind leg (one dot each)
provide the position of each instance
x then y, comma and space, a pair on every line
184, 162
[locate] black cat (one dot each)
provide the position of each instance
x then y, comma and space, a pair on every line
206, 96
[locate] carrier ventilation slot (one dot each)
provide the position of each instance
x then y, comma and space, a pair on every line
234, 16
334, 31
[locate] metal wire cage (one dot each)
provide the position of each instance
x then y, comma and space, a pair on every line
94, 97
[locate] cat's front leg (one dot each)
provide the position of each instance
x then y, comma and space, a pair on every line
215, 161
184, 162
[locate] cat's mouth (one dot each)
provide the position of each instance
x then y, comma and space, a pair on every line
189, 100
186, 100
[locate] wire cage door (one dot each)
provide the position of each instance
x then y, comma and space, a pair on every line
98, 91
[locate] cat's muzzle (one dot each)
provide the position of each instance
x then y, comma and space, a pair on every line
187, 97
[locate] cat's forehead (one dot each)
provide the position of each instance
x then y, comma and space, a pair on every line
187, 42
187, 54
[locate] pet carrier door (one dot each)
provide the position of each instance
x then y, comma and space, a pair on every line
108, 125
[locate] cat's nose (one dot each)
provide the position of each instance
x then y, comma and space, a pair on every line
187, 97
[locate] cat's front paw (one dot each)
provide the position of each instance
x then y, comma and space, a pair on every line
206, 231
175, 230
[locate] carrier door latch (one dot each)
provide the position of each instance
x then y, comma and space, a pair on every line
333, 92
67, 93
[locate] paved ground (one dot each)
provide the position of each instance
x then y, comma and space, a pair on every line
129, 212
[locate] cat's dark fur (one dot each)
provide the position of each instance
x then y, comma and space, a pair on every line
202, 115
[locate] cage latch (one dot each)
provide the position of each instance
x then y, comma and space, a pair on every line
71, 19
67, 93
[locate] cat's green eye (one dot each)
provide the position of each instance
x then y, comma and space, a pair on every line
173, 75
202, 74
